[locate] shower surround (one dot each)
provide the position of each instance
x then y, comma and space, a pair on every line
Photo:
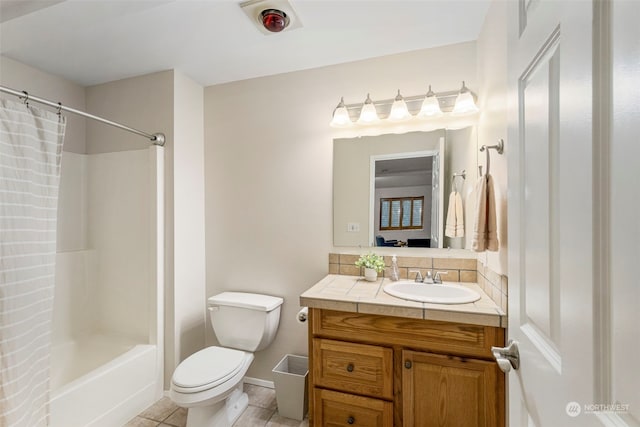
107, 363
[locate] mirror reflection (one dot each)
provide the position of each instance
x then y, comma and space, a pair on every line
405, 204
393, 190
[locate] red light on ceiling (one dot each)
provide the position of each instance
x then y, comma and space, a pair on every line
274, 20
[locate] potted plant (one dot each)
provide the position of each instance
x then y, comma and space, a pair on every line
373, 264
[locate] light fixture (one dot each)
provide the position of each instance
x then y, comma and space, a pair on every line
399, 111
271, 17
274, 20
465, 103
368, 114
430, 105
341, 116
452, 109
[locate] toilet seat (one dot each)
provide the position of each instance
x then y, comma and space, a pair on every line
207, 368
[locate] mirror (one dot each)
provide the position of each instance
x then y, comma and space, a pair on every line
396, 187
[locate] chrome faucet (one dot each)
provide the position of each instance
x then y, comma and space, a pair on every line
418, 275
437, 278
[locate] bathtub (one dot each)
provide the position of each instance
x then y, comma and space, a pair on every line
102, 381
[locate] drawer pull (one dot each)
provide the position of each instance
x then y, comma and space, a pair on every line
407, 364
351, 420
350, 367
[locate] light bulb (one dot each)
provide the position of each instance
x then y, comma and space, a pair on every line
399, 111
341, 116
430, 105
465, 103
368, 114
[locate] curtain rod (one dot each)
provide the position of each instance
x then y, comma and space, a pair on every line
156, 138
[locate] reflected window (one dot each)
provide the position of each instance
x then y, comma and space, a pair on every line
401, 213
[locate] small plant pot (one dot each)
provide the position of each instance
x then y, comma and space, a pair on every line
370, 274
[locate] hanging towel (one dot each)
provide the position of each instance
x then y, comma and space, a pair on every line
485, 236
455, 216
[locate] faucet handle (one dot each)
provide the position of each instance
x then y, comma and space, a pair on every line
437, 278
418, 275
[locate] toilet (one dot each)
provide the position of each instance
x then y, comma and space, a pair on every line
209, 383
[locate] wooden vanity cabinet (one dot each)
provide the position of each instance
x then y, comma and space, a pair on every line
373, 370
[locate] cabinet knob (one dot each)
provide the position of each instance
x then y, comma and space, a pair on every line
351, 420
407, 364
350, 367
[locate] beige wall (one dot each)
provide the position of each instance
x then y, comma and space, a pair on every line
492, 96
268, 173
143, 102
18, 76
189, 307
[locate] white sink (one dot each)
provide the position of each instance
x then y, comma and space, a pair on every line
447, 293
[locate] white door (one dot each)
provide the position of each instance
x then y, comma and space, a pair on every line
550, 211
560, 219
621, 351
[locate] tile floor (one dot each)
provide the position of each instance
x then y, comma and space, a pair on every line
262, 411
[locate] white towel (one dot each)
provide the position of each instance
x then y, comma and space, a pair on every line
485, 235
455, 216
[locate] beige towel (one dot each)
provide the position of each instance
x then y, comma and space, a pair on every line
485, 235
455, 216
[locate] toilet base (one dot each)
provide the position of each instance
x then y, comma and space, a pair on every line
220, 414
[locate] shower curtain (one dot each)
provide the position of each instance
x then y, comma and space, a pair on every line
30, 153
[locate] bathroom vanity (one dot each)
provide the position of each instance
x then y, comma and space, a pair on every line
377, 360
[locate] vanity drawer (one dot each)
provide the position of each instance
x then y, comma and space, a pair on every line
357, 368
340, 409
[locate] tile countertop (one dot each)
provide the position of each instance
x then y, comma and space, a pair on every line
354, 294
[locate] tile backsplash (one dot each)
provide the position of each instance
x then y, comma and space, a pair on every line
456, 269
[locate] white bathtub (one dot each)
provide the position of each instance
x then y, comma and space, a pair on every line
102, 381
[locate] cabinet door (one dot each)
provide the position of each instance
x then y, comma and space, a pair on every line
333, 409
450, 391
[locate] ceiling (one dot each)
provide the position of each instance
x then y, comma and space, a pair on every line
403, 172
92, 41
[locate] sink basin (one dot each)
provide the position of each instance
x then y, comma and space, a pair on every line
434, 293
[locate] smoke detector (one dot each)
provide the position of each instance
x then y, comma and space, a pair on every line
271, 16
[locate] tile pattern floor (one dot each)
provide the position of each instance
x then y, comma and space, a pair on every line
262, 411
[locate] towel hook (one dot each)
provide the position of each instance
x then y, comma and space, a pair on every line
499, 147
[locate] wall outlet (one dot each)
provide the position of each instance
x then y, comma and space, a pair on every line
353, 227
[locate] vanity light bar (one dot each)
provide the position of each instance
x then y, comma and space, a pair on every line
391, 110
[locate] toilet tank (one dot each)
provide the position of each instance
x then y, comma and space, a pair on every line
244, 321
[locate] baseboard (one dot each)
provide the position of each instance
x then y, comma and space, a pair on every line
259, 382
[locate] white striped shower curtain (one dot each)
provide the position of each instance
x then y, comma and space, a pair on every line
30, 152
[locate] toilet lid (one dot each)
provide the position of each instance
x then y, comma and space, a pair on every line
210, 366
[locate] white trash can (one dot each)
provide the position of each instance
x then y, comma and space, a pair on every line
290, 378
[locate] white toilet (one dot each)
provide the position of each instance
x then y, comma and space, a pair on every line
209, 382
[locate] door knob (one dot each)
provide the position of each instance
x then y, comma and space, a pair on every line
507, 357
